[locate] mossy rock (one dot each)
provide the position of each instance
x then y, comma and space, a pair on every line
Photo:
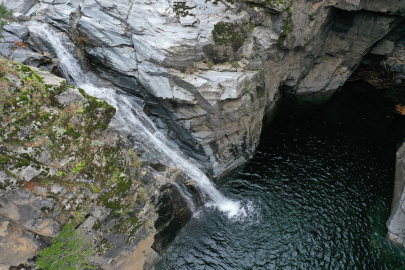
225, 33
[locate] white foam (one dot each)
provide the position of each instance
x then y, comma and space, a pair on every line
125, 118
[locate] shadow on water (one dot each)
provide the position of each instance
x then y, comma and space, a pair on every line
317, 193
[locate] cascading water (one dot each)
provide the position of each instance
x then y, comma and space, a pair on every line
151, 137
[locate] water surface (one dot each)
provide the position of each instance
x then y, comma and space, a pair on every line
317, 195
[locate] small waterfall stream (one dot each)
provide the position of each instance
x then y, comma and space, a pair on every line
127, 120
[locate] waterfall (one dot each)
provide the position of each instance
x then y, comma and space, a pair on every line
151, 137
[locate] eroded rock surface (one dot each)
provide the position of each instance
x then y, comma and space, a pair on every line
62, 162
210, 71
396, 222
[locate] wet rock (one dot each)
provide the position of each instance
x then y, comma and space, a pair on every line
174, 213
215, 121
396, 221
88, 175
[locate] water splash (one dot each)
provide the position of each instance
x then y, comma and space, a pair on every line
150, 137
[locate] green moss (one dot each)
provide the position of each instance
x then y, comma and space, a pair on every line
97, 225
112, 198
181, 9
22, 162
13, 133
61, 89
78, 167
225, 33
4, 160
251, 27
287, 28
127, 225
72, 133
104, 246
95, 101
142, 194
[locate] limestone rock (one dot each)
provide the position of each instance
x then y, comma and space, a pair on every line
88, 175
123, 42
396, 222
384, 47
20, 5
17, 245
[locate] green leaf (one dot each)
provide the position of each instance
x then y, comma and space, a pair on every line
68, 251
78, 167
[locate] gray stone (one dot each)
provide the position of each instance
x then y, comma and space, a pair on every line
8, 37
28, 173
120, 59
21, 6
396, 221
49, 79
24, 208
56, 15
16, 245
70, 96
17, 29
384, 47
137, 47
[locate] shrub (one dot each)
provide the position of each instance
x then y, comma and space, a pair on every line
78, 167
68, 251
235, 64
5, 15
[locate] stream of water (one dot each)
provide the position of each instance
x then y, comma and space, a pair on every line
130, 123
315, 196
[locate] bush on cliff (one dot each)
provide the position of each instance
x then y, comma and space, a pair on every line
5, 16
68, 251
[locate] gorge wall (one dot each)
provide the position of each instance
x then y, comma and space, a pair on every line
396, 222
64, 161
208, 73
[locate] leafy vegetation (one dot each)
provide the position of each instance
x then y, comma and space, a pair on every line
5, 16
68, 251
78, 167
225, 33
79, 146
181, 9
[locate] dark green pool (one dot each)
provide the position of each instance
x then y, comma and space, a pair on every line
317, 193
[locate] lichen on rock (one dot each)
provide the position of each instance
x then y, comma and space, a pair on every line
62, 164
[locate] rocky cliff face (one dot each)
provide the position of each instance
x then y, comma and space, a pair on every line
207, 72
210, 71
62, 162
396, 222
